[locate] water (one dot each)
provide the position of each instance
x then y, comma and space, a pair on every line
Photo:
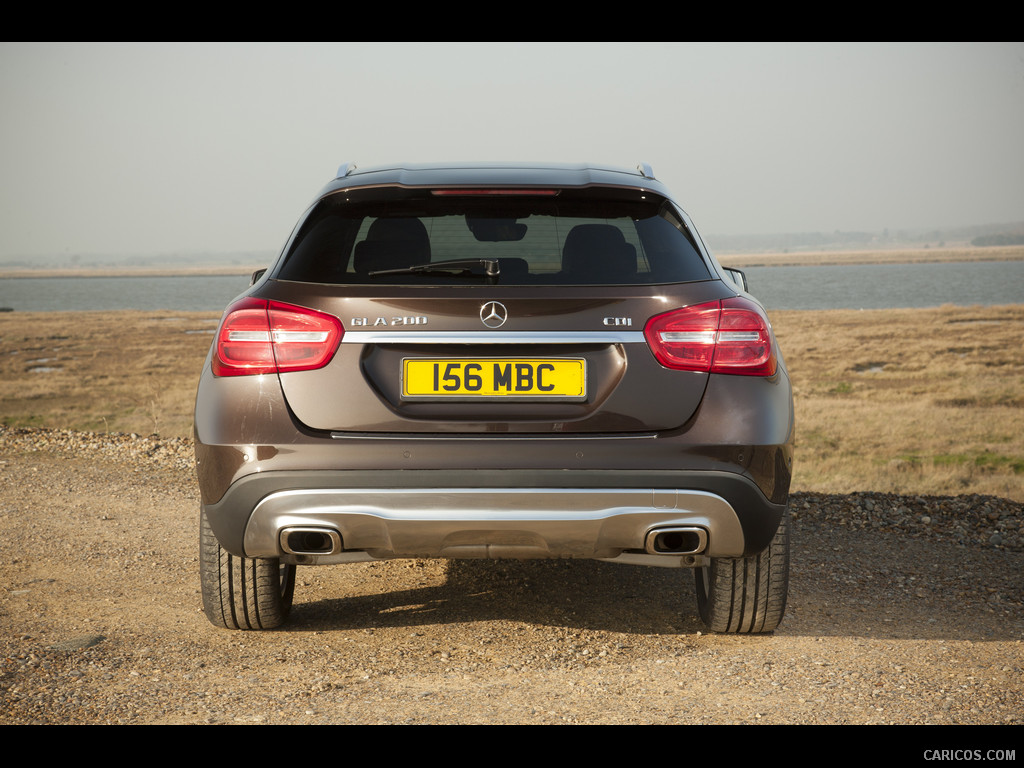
54, 294
858, 286
887, 286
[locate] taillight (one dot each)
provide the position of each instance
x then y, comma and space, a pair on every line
259, 336
727, 336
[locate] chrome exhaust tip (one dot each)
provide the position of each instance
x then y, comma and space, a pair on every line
684, 540
310, 541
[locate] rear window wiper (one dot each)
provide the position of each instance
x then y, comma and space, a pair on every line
488, 268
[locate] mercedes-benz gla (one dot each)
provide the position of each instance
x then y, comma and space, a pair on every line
495, 361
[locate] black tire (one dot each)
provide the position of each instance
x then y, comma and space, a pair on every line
746, 595
242, 592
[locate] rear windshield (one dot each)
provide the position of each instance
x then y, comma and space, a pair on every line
590, 236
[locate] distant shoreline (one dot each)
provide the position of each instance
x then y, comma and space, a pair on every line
222, 271
802, 259
901, 256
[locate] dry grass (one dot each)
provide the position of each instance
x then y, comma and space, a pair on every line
102, 371
910, 401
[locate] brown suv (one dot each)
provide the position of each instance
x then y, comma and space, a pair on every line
495, 360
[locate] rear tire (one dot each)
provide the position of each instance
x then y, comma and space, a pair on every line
746, 595
242, 592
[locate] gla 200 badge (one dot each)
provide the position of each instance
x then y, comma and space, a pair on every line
376, 321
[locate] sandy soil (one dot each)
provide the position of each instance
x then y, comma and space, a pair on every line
902, 610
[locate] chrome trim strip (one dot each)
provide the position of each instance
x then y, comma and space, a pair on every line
493, 337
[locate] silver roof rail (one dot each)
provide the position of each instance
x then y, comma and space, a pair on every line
646, 170
345, 169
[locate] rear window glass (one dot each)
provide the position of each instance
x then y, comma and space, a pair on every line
393, 235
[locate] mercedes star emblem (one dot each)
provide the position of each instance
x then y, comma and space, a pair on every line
493, 314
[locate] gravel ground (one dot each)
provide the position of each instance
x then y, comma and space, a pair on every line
903, 609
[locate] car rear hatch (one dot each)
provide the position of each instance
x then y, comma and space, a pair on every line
565, 363
493, 310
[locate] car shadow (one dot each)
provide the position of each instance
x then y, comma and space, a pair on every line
840, 586
578, 594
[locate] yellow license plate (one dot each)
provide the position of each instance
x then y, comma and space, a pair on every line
557, 378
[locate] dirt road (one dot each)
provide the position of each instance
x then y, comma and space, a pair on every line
902, 610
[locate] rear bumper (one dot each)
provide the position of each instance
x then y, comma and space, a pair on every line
493, 523
474, 514
494, 494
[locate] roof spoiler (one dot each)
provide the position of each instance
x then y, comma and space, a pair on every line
347, 167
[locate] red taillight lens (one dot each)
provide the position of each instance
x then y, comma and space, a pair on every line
727, 336
258, 336
745, 344
685, 338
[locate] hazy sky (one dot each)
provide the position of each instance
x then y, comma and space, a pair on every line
163, 148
